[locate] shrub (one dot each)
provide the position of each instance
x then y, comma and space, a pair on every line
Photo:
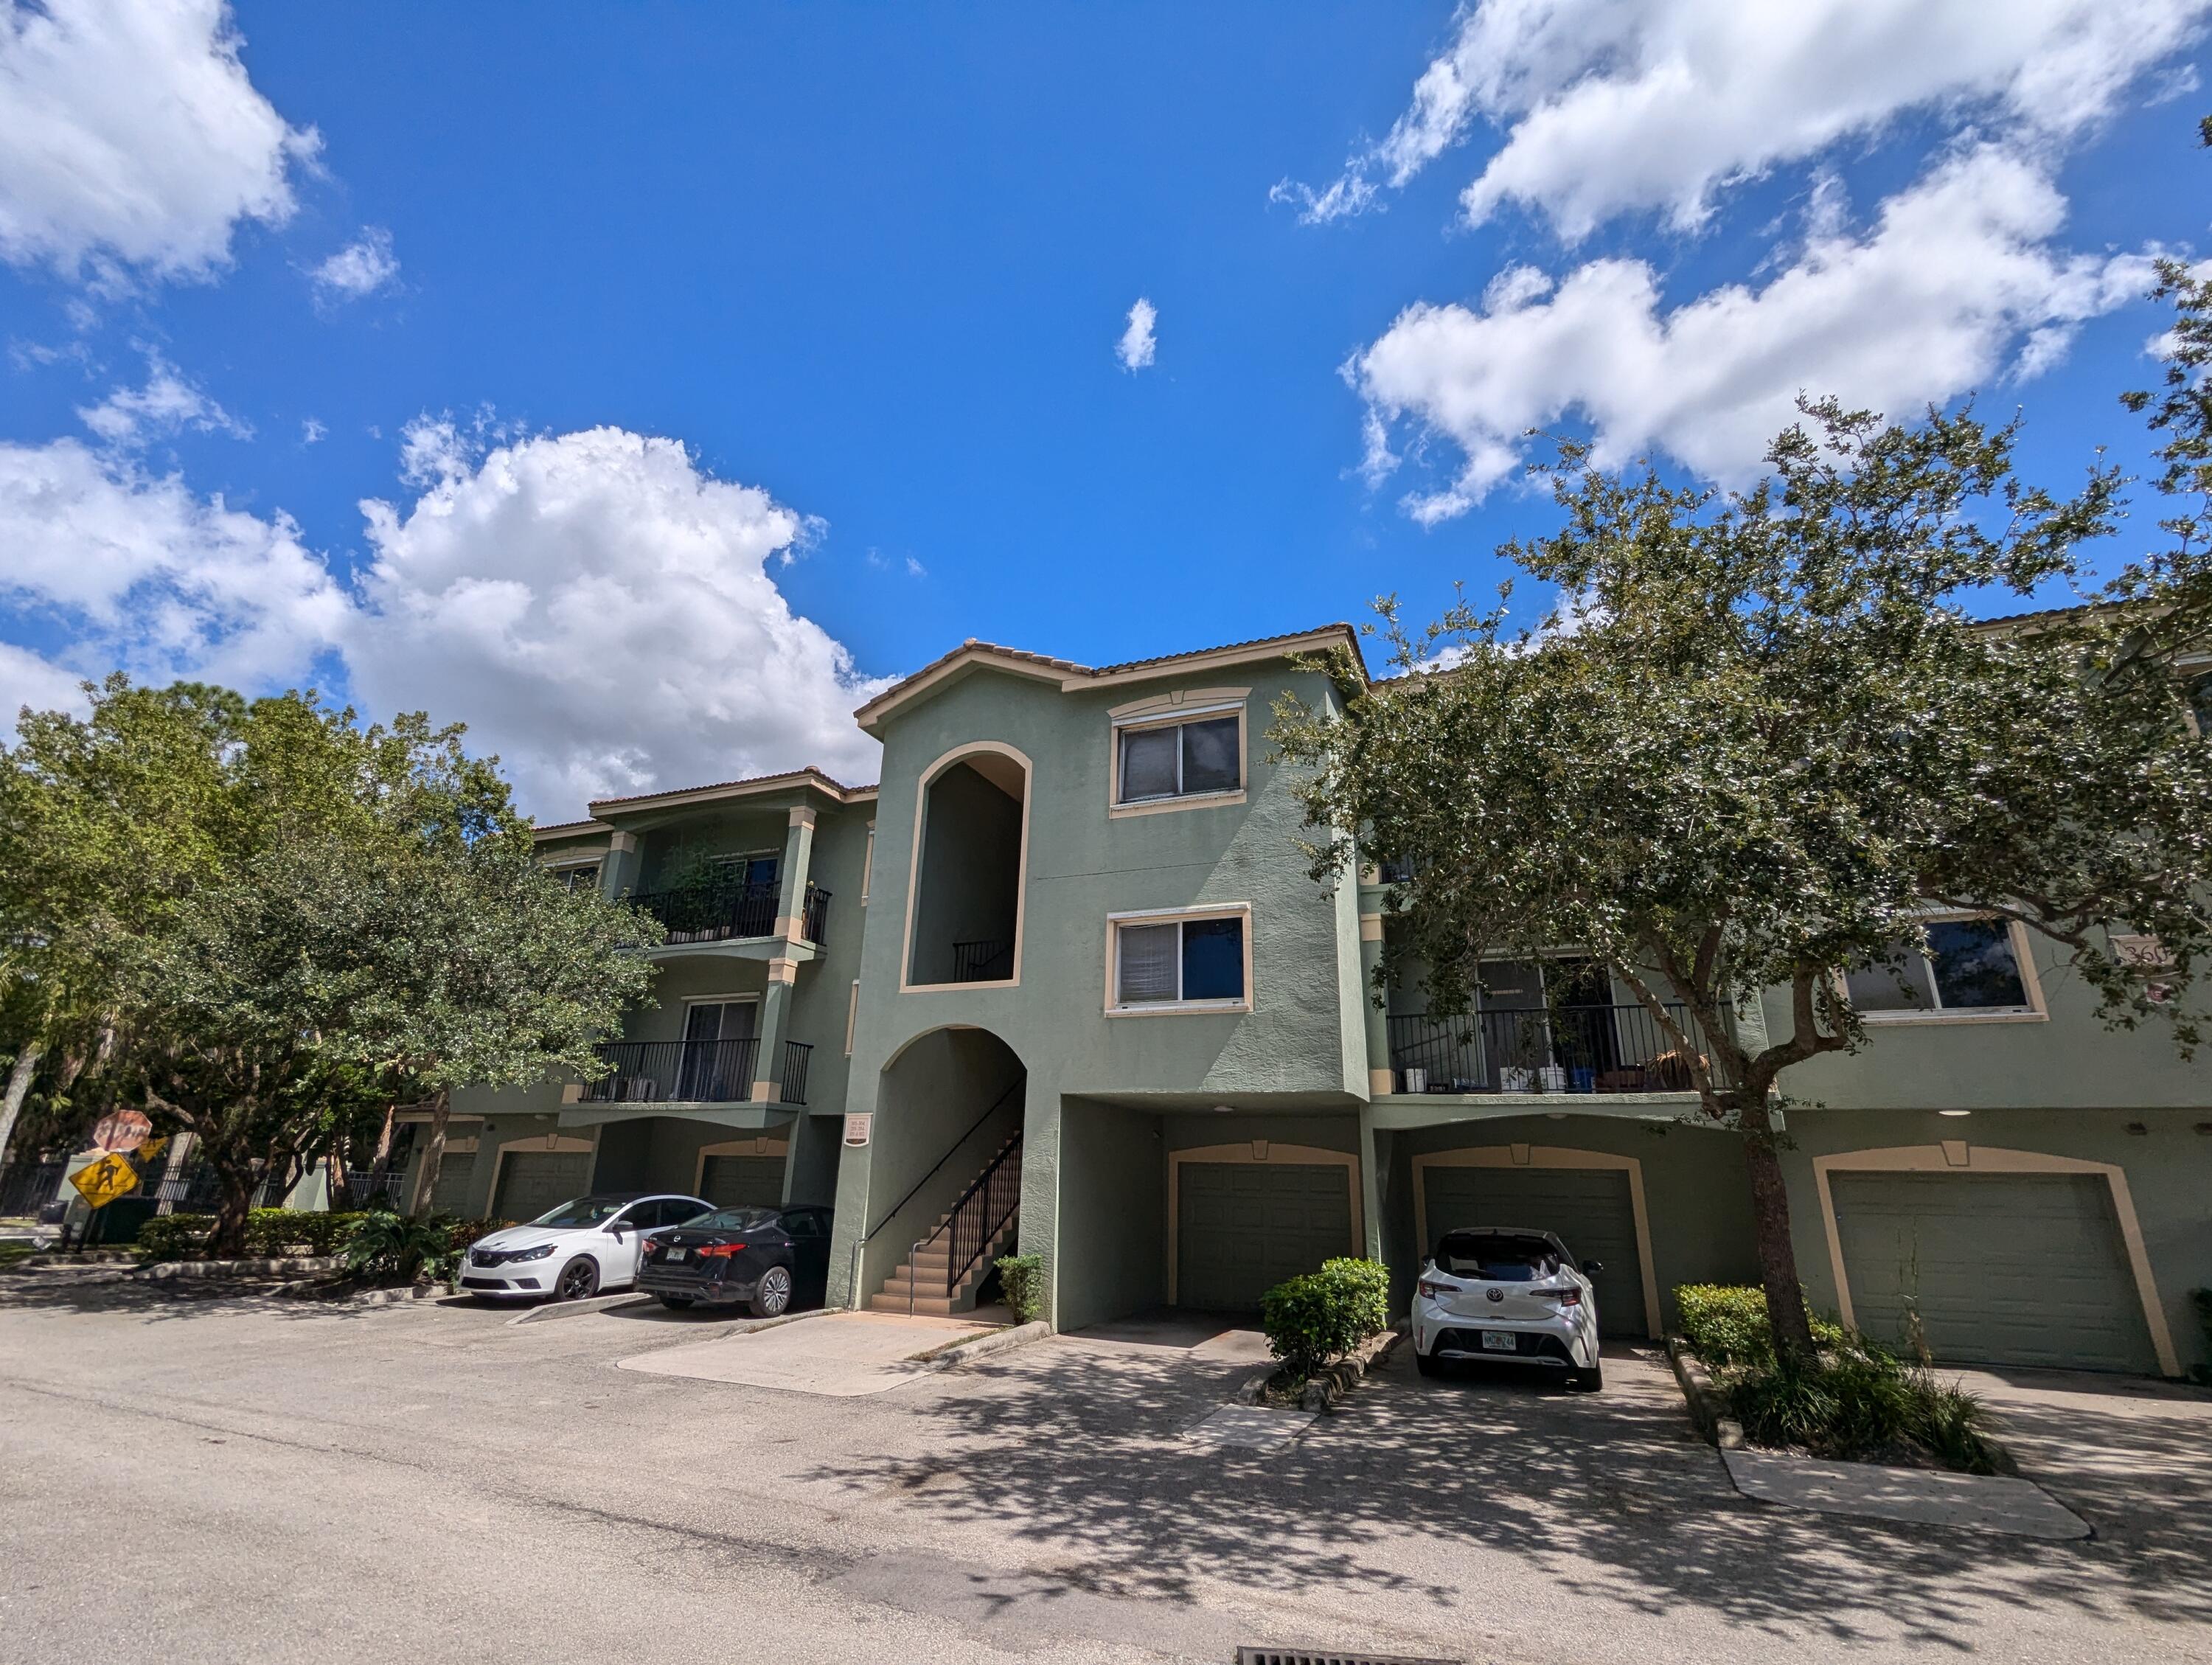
385, 1245
283, 1231
461, 1233
1021, 1280
172, 1236
1312, 1319
1858, 1402
1726, 1324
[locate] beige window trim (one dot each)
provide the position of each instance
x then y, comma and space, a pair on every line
758, 1146
958, 754
1259, 1150
1958, 1157
1172, 711
868, 865
2030, 985
1548, 1156
852, 1016
1237, 910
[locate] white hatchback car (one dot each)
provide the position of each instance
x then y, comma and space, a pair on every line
1511, 1295
584, 1246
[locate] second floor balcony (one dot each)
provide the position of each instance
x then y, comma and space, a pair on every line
693, 1073
729, 911
1545, 1049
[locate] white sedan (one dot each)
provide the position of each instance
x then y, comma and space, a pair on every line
584, 1246
1510, 1295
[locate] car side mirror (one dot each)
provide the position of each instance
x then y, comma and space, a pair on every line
1593, 1266
616, 1228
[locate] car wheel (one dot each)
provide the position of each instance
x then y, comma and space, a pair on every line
1591, 1380
1428, 1364
676, 1303
579, 1280
772, 1293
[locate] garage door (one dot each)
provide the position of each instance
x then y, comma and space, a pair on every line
743, 1181
2004, 1268
1241, 1228
531, 1181
451, 1194
1588, 1209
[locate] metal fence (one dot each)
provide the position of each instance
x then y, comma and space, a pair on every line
1596, 1048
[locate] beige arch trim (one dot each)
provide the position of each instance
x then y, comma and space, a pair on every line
758, 1146
1956, 1156
1550, 1156
1255, 1151
960, 754
570, 1143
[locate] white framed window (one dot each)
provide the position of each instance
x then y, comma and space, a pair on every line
1193, 756
1195, 959
1975, 967
576, 875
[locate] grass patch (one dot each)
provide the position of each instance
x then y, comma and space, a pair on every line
15, 1254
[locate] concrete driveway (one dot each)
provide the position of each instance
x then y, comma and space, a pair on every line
282, 1482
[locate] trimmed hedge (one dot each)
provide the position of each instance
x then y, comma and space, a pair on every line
1021, 1282
1323, 1315
271, 1232
1727, 1325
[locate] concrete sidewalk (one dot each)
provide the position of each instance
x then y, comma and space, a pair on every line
842, 1355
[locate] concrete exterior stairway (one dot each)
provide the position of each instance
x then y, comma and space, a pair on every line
921, 1284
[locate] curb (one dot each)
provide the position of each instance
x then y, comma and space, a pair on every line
576, 1309
315, 1289
1327, 1390
1707, 1404
168, 1269
982, 1346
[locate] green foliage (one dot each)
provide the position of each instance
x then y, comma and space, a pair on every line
1726, 1324
268, 1231
1312, 1319
1021, 1280
174, 1237
1860, 1402
400, 1247
462, 1233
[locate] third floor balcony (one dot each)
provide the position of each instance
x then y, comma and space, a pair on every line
728, 910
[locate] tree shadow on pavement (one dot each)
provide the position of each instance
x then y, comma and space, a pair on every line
1417, 1487
162, 1299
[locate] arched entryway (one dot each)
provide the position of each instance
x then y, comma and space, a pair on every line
945, 1172
964, 895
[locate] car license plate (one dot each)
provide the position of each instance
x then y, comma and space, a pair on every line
1500, 1341
675, 1253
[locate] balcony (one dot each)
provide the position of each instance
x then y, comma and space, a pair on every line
691, 1073
724, 913
1567, 1049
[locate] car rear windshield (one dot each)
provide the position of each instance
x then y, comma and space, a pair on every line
1498, 1260
583, 1211
732, 1219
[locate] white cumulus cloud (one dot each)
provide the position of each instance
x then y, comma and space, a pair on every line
599, 611
359, 269
167, 404
132, 137
1137, 349
1613, 105
1928, 304
134, 571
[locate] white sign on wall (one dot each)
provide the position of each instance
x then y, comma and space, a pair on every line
856, 1129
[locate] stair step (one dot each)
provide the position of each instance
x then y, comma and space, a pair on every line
933, 1306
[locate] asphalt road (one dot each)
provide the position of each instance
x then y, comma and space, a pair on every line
217, 1478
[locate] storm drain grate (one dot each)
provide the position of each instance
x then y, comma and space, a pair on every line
1328, 1657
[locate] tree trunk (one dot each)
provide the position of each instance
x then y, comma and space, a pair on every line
227, 1241
426, 1181
19, 1089
339, 1158
1770, 1221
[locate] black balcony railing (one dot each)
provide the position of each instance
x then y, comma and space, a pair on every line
719, 912
982, 962
685, 1071
691, 1073
798, 1057
713, 912
1599, 1048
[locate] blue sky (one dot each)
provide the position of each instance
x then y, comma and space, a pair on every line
712, 363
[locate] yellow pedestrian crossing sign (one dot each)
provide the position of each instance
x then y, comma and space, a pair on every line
100, 1182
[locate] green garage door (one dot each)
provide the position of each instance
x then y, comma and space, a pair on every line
531, 1181
450, 1196
1587, 1209
1241, 1228
2003, 1268
743, 1181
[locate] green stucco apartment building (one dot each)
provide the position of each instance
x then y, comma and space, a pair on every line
1062, 980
